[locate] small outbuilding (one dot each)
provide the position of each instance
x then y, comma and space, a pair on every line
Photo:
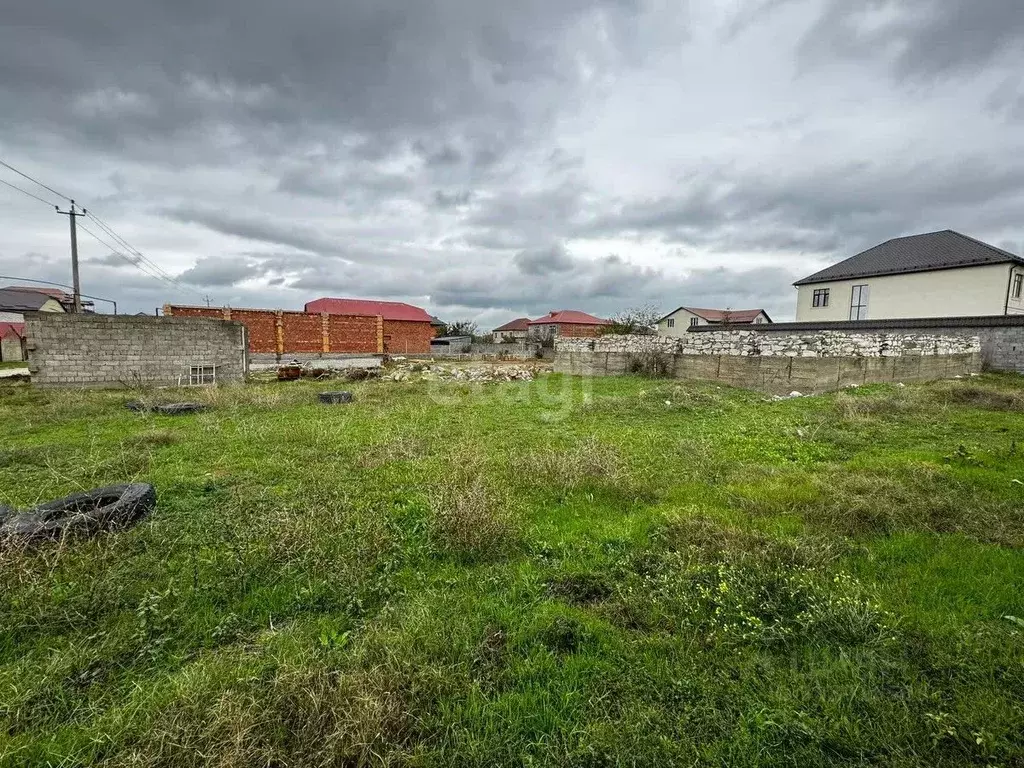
450, 345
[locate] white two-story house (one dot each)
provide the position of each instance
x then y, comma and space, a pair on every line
940, 274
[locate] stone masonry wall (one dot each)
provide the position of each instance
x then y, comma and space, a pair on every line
751, 343
123, 350
806, 361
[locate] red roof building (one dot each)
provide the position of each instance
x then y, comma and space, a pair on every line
681, 320
389, 310
567, 322
519, 324
404, 329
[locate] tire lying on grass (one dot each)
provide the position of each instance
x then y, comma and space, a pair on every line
333, 398
82, 514
172, 409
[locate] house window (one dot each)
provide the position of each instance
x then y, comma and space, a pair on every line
202, 374
1018, 284
671, 323
694, 322
859, 303
820, 298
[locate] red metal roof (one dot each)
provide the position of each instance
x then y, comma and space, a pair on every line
569, 316
12, 329
519, 324
721, 315
389, 310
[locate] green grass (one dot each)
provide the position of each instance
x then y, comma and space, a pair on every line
12, 364
563, 572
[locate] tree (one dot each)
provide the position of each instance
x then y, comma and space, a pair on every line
640, 320
462, 328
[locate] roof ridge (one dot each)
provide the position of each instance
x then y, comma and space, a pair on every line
991, 247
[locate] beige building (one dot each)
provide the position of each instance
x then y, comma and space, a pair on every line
678, 322
940, 274
514, 331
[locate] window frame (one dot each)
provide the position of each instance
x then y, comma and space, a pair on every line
820, 298
670, 323
1018, 285
860, 295
694, 322
202, 375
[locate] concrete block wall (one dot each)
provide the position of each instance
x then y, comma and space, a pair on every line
11, 349
781, 375
1002, 348
127, 350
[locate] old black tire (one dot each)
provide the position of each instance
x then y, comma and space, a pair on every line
333, 398
83, 514
177, 409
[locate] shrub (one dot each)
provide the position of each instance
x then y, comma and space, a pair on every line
649, 363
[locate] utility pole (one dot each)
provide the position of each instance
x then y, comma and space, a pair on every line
72, 215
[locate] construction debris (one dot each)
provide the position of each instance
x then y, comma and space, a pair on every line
473, 373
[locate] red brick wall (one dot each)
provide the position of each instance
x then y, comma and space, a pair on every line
577, 330
353, 334
303, 332
193, 311
262, 325
405, 337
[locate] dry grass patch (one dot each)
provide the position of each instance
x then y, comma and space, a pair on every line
395, 448
473, 520
919, 497
978, 395
588, 461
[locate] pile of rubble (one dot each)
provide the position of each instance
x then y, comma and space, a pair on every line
471, 373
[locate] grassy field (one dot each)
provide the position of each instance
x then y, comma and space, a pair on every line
561, 572
10, 364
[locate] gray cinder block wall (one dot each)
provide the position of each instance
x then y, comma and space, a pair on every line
128, 350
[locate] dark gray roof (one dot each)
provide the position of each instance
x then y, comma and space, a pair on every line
12, 300
917, 253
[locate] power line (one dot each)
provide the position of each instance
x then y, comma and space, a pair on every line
133, 250
25, 192
133, 260
137, 258
35, 181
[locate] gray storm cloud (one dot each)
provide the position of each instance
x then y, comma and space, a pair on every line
489, 159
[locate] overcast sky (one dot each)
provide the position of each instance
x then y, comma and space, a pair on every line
491, 160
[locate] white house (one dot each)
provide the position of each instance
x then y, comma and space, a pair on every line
676, 323
940, 274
